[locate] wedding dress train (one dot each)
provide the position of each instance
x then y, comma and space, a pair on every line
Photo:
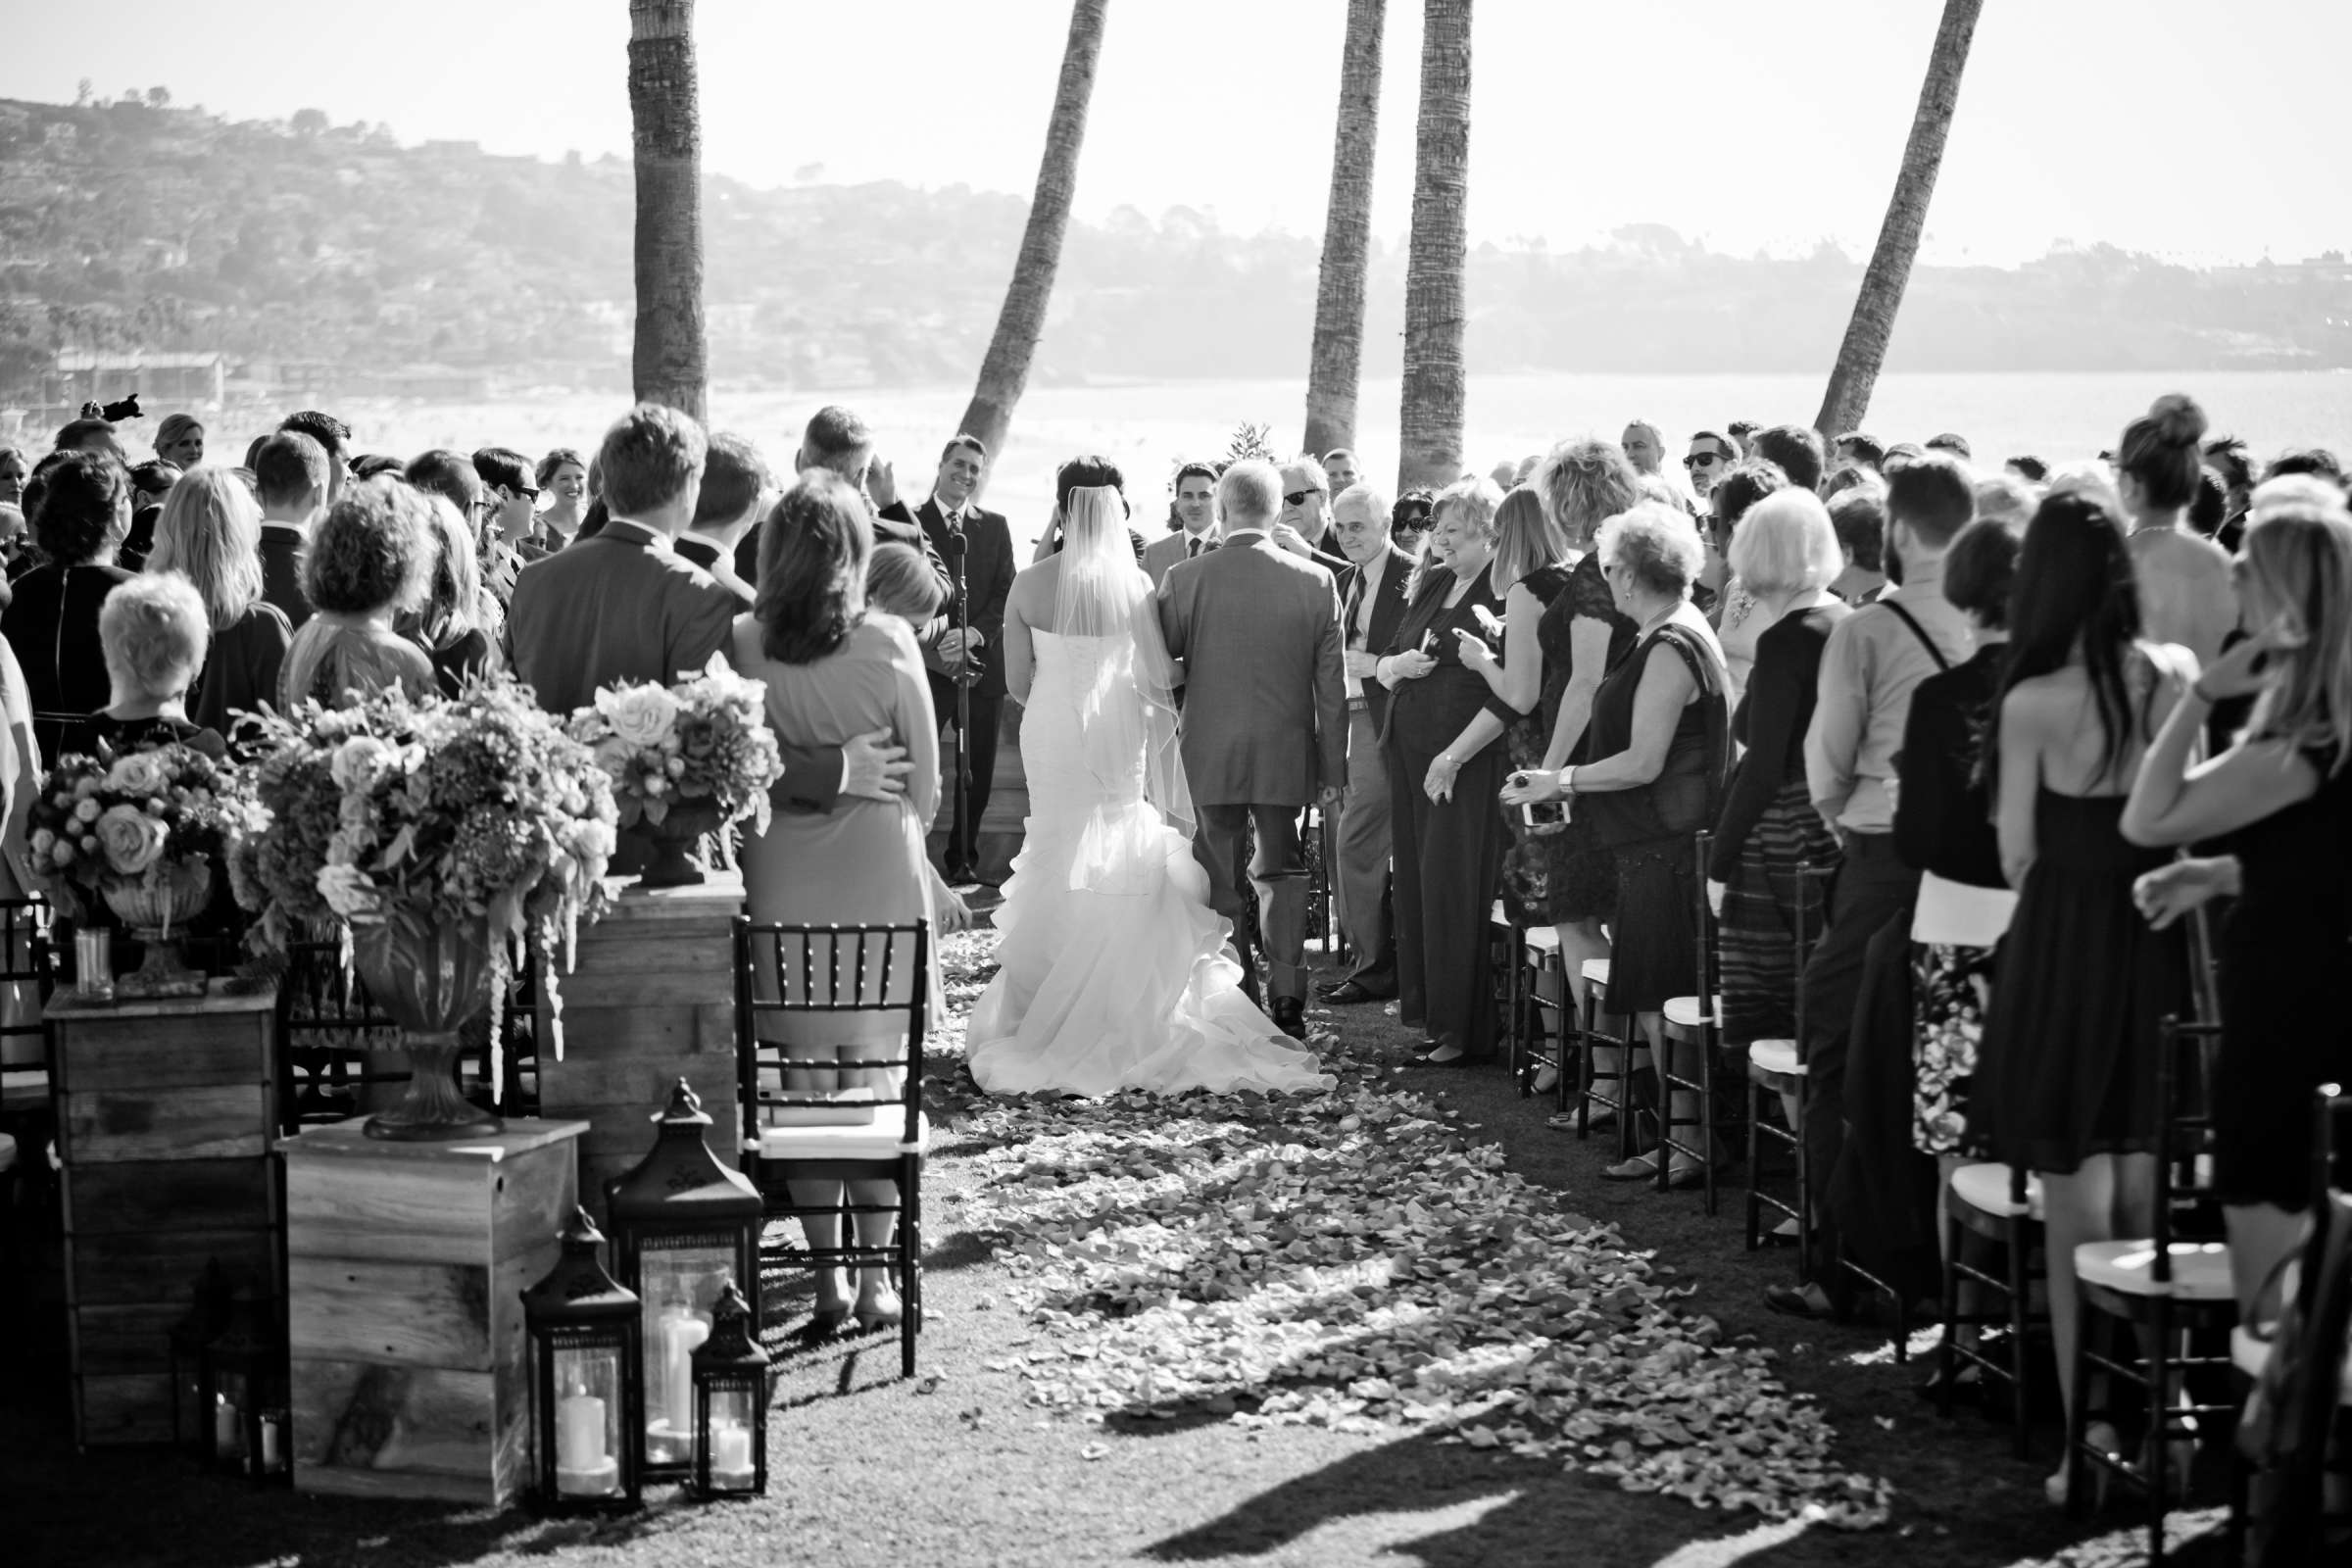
1115, 973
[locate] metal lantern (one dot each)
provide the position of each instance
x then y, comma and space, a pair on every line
683, 1226
730, 1403
206, 1317
584, 1379
245, 1376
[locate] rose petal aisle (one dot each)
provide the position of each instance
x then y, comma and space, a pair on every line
1355, 1260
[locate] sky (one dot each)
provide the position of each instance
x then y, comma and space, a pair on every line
2196, 131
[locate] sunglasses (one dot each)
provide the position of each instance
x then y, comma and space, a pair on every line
1702, 460
1298, 497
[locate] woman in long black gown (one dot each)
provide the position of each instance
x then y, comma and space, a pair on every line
2282, 795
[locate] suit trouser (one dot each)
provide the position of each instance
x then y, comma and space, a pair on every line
1361, 880
987, 712
1280, 874
1873, 886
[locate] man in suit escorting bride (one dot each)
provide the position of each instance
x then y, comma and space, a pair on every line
1257, 633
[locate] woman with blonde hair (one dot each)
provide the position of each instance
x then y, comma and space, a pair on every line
155, 629
211, 533
451, 624
1446, 834
370, 558
2283, 794
179, 441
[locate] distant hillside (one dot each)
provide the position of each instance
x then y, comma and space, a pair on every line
334, 252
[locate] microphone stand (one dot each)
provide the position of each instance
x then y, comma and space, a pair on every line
964, 834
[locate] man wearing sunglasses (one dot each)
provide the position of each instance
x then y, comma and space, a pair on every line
1709, 458
1303, 527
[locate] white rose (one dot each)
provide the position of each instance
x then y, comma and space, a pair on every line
639, 715
360, 762
133, 840
138, 773
348, 890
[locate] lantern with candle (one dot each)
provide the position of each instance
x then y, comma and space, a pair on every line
245, 1393
683, 1227
585, 1373
730, 1403
206, 1317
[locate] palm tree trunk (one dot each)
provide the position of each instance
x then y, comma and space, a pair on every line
1004, 372
1866, 335
671, 363
1431, 435
1336, 361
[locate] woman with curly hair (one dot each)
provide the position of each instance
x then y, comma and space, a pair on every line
80, 507
211, 533
833, 672
563, 479
371, 558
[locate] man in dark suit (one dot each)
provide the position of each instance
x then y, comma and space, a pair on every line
836, 438
292, 473
624, 604
735, 485
976, 547
1372, 602
1196, 518
1265, 716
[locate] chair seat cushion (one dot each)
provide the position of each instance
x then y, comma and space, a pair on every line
1775, 1058
1985, 1187
2200, 1269
2250, 1350
1543, 940
1497, 915
1597, 971
1687, 1012
869, 1142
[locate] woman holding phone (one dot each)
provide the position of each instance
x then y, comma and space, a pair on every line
1446, 835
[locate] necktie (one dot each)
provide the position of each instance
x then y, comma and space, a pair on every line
1192, 547
1355, 602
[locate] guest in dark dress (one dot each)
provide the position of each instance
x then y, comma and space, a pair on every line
1783, 554
2282, 796
1943, 828
1565, 878
211, 533
2065, 1078
448, 628
1446, 832
80, 513
1660, 738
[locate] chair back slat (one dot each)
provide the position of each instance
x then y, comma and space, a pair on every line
871, 970
2183, 1125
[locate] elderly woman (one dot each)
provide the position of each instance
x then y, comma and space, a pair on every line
155, 629
211, 533
1738, 618
1445, 836
80, 513
1660, 736
834, 670
450, 626
1785, 553
371, 558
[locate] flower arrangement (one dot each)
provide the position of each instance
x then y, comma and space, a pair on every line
154, 820
429, 817
702, 744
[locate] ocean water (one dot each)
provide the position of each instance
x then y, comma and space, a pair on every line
1147, 429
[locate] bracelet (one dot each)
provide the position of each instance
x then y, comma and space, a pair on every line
1568, 779
1450, 761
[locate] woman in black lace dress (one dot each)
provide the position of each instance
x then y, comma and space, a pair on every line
2282, 795
1564, 878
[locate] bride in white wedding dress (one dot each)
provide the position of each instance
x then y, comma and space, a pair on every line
1114, 973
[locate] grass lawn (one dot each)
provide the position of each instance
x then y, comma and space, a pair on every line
961, 1467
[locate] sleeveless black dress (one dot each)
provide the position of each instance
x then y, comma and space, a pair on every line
2067, 1068
1552, 878
2284, 1028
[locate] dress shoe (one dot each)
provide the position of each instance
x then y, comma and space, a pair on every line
1351, 993
1290, 1017
1800, 1300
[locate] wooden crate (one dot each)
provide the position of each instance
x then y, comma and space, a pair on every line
404, 1270
650, 999
165, 1113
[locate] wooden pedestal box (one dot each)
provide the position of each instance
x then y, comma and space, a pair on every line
650, 999
165, 1111
404, 1270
